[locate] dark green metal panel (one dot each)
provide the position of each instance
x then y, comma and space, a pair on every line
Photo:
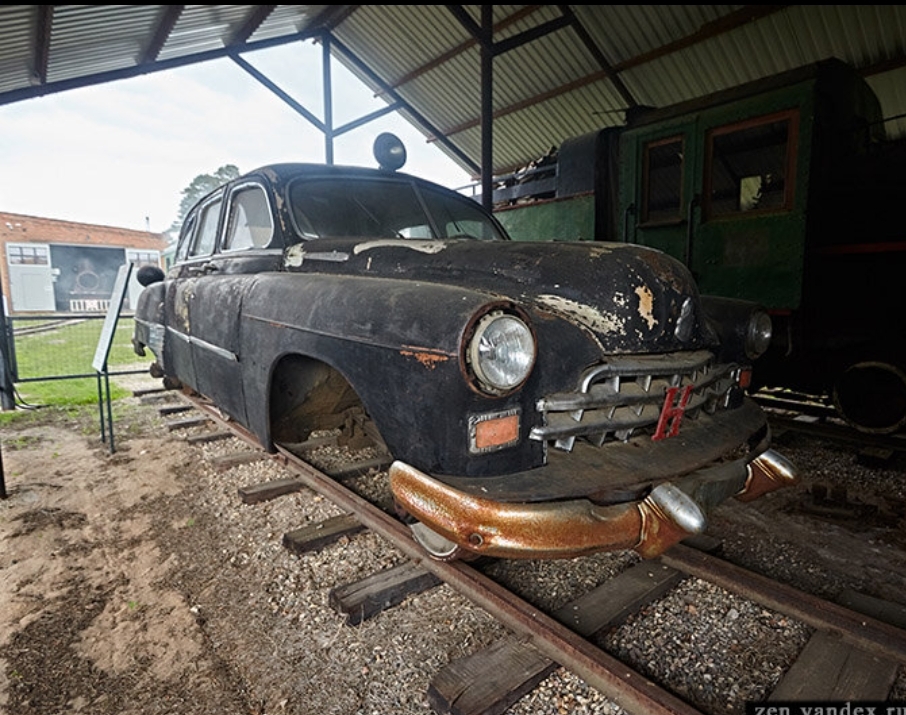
571, 219
759, 255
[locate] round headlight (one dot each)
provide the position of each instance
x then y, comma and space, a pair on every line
501, 352
758, 334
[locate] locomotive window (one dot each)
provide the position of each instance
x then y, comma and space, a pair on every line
663, 188
749, 166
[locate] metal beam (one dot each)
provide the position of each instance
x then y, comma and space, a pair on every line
165, 26
41, 57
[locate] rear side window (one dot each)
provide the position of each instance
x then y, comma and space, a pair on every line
250, 224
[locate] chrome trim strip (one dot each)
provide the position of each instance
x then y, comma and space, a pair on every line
210, 347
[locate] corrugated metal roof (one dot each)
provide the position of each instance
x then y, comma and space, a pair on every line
580, 68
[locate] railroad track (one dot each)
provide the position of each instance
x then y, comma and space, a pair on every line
851, 656
813, 416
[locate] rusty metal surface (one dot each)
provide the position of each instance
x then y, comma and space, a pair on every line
563, 529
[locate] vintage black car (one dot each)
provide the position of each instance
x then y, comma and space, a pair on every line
538, 399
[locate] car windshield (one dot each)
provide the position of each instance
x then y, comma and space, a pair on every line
384, 208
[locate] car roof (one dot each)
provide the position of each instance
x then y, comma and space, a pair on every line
285, 171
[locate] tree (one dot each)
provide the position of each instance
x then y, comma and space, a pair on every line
201, 186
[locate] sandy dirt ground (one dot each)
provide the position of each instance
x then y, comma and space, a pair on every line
136, 583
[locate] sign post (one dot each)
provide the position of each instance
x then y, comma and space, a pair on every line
103, 351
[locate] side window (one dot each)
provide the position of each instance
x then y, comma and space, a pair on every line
185, 237
750, 165
206, 233
662, 191
250, 224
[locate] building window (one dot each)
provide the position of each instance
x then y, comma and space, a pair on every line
28, 255
143, 258
663, 181
750, 165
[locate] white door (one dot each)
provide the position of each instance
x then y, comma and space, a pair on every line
138, 259
30, 277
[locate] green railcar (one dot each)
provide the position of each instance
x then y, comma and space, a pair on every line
785, 192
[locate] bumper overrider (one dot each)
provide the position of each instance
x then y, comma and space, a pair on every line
453, 523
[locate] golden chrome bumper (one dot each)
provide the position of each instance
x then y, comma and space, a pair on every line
453, 522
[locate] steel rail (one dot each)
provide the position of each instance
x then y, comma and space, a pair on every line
858, 629
615, 680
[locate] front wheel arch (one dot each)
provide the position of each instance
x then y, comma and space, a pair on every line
307, 395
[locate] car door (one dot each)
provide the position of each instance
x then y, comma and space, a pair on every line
190, 253
245, 245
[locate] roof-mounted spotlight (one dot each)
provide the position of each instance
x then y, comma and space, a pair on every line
389, 151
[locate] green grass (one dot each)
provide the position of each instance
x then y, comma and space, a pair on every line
69, 350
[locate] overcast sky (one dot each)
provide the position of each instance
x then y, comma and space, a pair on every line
120, 154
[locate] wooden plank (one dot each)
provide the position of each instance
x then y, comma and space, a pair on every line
149, 391
875, 457
227, 461
830, 669
186, 423
317, 536
490, 681
208, 437
347, 471
367, 598
491, 684
173, 409
309, 444
269, 490
614, 600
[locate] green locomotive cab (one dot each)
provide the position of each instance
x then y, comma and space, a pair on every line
785, 192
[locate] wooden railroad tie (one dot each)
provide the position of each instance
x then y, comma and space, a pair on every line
491, 680
828, 668
227, 461
208, 437
186, 423
317, 536
269, 490
356, 469
367, 598
173, 409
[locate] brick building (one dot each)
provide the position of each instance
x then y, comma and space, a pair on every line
50, 266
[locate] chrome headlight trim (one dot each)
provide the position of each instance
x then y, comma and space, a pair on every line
501, 352
758, 334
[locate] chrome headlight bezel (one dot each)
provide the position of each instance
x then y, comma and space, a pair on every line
759, 332
499, 352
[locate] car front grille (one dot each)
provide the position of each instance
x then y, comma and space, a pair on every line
626, 395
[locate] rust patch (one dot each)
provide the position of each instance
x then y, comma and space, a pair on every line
646, 305
429, 360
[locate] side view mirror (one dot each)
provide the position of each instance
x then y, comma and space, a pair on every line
146, 275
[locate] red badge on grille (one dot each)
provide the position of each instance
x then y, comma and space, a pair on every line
672, 413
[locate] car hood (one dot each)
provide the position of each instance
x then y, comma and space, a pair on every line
629, 297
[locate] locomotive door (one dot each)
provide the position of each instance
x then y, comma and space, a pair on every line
749, 235
659, 197
721, 197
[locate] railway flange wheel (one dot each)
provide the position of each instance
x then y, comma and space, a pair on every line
871, 396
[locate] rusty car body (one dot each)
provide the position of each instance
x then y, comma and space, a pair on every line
538, 399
